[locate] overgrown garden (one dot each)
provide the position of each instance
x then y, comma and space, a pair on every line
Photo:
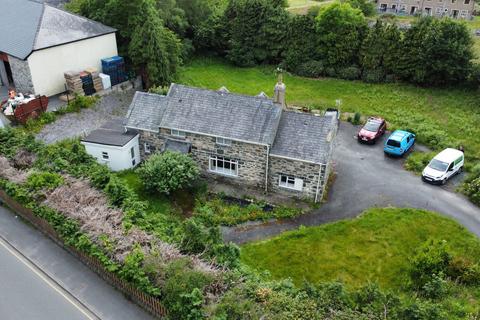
181, 259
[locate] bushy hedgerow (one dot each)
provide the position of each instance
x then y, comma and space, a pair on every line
43, 181
311, 69
417, 161
168, 172
349, 73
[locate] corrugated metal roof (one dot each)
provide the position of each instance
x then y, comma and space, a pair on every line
304, 136
27, 26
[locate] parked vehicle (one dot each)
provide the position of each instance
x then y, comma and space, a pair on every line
443, 166
372, 130
399, 143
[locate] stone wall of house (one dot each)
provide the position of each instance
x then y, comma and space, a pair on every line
251, 158
308, 172
21, 75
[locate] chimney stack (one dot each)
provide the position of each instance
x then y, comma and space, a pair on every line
279, 91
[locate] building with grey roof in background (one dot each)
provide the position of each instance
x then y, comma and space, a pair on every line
244, 140
39, 43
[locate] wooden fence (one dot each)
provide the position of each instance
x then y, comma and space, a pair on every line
149, 303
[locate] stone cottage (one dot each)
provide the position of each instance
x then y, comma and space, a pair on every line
244, 140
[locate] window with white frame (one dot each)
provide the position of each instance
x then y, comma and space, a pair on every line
290, 182
223, 141
463, 13
223, 165
467, 2
105, 156
178, 133
147, 148
438, 10
132, 152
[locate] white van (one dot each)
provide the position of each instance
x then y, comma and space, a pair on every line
444, 165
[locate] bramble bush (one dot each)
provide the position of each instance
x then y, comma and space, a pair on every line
168, 172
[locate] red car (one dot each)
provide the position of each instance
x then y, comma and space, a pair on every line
372, 130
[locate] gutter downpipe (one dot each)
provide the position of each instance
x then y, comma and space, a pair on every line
318, 183
266, 169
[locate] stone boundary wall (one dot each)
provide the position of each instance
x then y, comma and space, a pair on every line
149, 303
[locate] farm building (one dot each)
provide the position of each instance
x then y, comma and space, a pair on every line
38, 43
114, 146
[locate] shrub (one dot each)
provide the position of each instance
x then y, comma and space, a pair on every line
431, 260
373, 76
464, 270
168, 172
349, 73
311, 69
417, 161
472, 190
356, 118
81, 102
117, 191
435, 288
44, 180
331, 72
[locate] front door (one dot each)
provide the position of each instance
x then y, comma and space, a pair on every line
455, 14
413, 10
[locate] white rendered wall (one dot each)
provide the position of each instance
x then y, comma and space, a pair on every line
119, 157
47, 66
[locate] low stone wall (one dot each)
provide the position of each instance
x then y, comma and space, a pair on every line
151, 304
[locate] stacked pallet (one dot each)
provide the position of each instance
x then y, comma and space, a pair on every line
115, 68
74, 83
97, 81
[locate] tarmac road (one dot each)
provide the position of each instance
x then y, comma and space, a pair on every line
367, 178
41, 281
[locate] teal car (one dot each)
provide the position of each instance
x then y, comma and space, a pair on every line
399, 142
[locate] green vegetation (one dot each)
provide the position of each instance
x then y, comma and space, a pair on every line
168, 172
417, 161
439, 117
231, 214
76, 105
377, 247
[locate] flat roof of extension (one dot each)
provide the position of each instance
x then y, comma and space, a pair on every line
111, 133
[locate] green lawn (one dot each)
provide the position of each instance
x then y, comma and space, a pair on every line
449, 115
302, 6
375, 247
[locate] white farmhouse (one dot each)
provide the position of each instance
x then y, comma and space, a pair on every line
38, 43
114, 146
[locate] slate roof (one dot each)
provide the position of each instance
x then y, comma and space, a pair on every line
28, 25
111, 133
304, 136
146, 111
228, 115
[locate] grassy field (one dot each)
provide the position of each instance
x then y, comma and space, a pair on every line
374, 247
438, 116
302, 6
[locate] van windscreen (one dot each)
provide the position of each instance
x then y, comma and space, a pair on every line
393, 143
438, 165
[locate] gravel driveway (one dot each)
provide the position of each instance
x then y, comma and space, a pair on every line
367, 178
112, 106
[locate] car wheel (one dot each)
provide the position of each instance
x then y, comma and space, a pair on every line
444, 181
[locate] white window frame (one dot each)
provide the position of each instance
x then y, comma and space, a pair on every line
223, 142
105, 155
147, 148
178, 133
438, 10
215, 160
291, 182
467, 1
